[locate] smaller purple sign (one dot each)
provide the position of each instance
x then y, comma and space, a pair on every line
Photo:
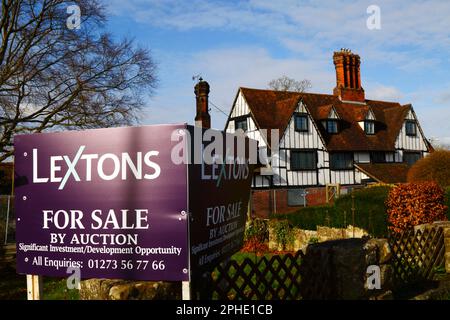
109, 202
218, 198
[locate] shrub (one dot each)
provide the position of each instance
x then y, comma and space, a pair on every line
435, 167
252, 245
283, 231
415, 203
257, 229
447, 198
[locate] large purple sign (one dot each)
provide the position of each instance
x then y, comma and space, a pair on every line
109, 202
118, 203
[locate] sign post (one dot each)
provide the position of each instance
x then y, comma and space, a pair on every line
34, 287
186, 290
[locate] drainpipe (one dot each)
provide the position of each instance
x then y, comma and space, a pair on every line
274, 201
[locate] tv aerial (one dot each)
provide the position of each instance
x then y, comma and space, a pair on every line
197, 78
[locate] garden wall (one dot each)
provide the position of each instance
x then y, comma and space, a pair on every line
339, 270
302, 238
103, 289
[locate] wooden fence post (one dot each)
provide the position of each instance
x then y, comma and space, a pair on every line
445, 225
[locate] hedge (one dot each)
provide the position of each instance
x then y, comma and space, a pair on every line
412, 204
447, 196
370, 212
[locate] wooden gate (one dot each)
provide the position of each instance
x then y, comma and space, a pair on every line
332, 191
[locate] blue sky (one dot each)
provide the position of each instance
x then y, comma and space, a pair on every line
248, 43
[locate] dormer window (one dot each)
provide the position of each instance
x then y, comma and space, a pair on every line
368, 123
411, 128
331, 125
241, 123
369, 127
301, 122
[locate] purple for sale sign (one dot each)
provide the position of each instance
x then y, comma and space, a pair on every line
108, 202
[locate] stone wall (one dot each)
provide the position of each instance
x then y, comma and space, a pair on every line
101, 289
344, 264
302, 238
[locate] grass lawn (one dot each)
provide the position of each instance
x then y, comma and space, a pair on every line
14, 287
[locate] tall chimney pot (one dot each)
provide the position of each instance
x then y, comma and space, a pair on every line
202, 118
348, 76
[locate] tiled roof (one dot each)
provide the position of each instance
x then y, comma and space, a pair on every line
273, 110
385, 172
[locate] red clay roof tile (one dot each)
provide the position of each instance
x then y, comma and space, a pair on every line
273, 110
385, 172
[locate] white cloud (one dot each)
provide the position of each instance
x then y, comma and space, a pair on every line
432, 106
226, 70
444, 141
414, 22
383, 93
434, 121
414, 40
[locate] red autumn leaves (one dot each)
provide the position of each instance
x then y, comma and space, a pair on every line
409, 205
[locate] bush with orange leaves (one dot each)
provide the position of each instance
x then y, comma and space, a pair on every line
411, 204
435, 167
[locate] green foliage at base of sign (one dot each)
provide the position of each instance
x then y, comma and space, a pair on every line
14, 287
56, 289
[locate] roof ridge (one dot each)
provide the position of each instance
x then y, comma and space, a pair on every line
383, 101
322, 94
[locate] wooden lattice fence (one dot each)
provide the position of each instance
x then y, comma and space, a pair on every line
417, 254
275, 278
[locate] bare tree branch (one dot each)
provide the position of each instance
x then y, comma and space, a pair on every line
285, 83
53, 78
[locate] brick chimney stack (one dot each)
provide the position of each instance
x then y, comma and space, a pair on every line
348, 76
202, 119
